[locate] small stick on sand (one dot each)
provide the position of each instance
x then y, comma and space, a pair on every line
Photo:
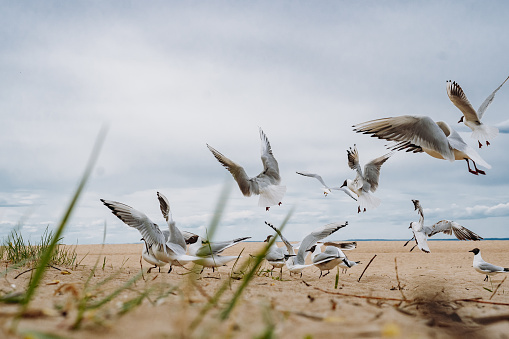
369, 263
397, 278
496, 289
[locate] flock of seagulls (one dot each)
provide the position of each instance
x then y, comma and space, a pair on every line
408, 133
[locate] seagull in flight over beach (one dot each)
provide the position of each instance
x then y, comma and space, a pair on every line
266, 184
484, 267
421, 134
172, 250
472, 118
421, 232
326, 189
366, 182
297, 263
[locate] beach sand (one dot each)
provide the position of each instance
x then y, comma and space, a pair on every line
435, 295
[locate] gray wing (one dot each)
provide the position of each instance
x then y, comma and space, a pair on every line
317, 235
313, 175
247, 186
136, 219
450, 228
418, 208
217, 247
411, 133
459, 99
486, 266
488, 100
342, 245
175, 241
346, 190
372, 171
353, 162
270, 165
422, 240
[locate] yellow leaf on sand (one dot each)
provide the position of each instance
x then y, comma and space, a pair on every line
391, 330
54, 282
334, 319
65, 272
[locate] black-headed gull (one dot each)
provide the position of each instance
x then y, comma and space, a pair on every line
366, 182
346, 263
297, 263
172, 250
484, 267
276, 256
266, 184
421, 134
328, 259
326, 189
421, 232
208, 252
471, 118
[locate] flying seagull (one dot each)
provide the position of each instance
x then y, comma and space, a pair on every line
326, 189
472, 118
366, 182
265, 184
422, 233
421, 134
484, 267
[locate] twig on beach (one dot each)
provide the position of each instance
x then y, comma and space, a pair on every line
366, 268
33, 268
400, 288
141, 266
496, 289
482, 302
363, 296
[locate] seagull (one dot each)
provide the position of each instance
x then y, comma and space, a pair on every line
346, 263
470, 117
265, 184
297, 263
208, 252
276, 256
421, 134
328, 259
171, 250
364, 183
326, 189
421, 232
484, 267
148, 255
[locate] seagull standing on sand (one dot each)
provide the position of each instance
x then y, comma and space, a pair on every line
366, 182
276, 256
297, 263
326, 189
470, 117
484, 267
265, 184
421, 232
346, 263
172, 250
421, 134
328, 259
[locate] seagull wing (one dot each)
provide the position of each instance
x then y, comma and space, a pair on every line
288, 245
238, 173
410, 133
175, 241
372, 171
487, 267
488, 100
450, 228
317, 235
459, 99
217, 247
353, 163
422, 241
313, 175
270, 165
342, 245
134, 218
418, 208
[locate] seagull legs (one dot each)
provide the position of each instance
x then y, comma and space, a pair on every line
171, 267
477, 171
151, 268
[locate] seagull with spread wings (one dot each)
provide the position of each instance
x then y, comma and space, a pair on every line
266, 184
366, 182
422, 233
326, 189
472, 118
421, 134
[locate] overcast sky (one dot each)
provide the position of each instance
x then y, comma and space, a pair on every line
169, 77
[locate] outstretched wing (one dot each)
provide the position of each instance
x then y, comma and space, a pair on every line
288, 245
488, 100
459, 99
270, 166
317, 235
353, 163
410, 133
313, 175
418, 208
450, 228
217, 247
372, 171
342, 245
237, 171
134, 218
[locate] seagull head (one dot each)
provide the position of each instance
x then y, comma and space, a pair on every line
192, 239
311, 249
345, 183
268, 238
475, 251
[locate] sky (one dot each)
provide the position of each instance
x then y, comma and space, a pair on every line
166, 78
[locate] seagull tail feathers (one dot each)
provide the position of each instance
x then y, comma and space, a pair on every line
271, 195
368, 201
484, 133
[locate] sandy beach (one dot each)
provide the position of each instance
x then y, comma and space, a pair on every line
402, 294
